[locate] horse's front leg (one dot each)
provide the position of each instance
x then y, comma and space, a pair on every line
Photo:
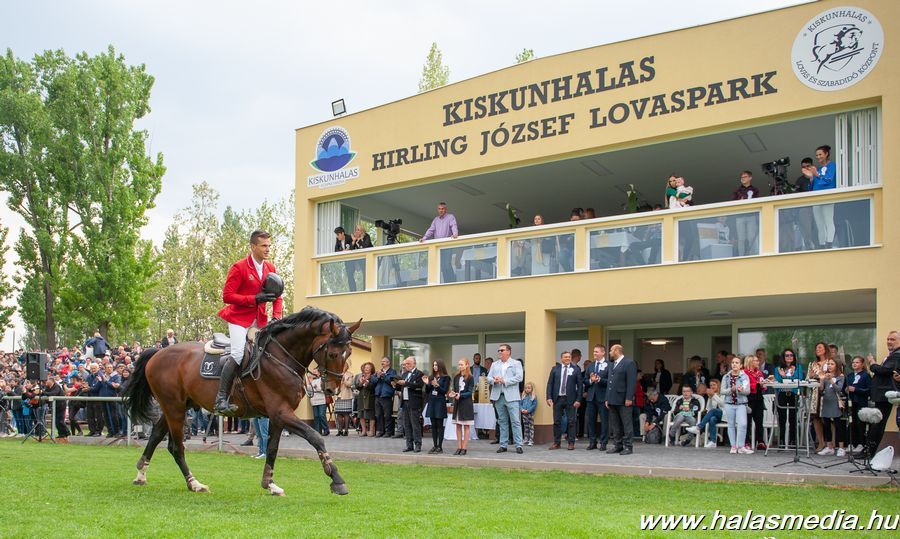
298, 427
275, 428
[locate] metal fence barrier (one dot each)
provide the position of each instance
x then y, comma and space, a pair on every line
118, 400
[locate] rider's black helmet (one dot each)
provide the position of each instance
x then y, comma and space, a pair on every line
273, 284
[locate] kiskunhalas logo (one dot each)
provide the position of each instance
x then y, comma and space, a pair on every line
837, 48
333, 154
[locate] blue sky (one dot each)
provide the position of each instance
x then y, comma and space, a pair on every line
234, 79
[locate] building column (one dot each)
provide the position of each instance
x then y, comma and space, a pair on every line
381, 347
540, 342
596, 335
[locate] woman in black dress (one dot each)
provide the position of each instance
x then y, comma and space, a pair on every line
463, 407
437, 386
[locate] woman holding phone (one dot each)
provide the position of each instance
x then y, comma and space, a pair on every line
463, 407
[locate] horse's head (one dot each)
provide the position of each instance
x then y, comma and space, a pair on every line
336, 349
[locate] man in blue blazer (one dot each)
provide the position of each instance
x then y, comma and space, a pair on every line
384, 399
564, 387
504, 378
620, 399
596, 376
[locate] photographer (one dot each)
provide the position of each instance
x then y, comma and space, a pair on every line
53, 389
76, 389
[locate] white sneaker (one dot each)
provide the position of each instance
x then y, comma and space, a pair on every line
734, 451
826, 451
260, 456
693, 430
745, 451
710, 445
857, 448
841, 452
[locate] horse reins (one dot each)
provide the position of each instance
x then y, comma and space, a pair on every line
313, 354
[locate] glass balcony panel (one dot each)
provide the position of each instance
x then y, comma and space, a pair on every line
626, 246
342, 276
825, 226
402, 270
469, 263
542, 256
724, 236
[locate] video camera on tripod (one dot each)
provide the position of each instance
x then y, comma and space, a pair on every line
777, 171
391, 229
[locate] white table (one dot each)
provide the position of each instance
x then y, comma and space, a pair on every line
484, 419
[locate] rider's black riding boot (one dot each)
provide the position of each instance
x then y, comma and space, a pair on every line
224, 407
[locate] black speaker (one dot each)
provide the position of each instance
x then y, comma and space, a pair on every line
36, 365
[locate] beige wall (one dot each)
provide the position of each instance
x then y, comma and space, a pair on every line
697, 56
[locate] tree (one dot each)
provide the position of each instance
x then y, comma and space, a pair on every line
524, 56
31, 173
6, 289
98, 101
434, 73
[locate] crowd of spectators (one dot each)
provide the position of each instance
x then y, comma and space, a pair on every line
95, 369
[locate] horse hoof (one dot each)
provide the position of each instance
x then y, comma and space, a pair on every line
340, 489
197, 486
139, 482
275, 490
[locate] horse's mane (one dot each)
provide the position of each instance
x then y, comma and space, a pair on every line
309, 316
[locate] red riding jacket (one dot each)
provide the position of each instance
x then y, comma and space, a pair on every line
239, 295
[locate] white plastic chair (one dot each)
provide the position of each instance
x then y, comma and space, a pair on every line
770, 420
669, 417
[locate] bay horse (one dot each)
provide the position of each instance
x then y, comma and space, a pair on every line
285, 348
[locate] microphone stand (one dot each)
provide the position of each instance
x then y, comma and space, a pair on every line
866, 466
796, 459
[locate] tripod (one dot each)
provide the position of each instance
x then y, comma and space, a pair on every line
38, 428
796, 459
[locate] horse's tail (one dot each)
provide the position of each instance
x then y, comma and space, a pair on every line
137, 395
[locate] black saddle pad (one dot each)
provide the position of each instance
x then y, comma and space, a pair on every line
211, 366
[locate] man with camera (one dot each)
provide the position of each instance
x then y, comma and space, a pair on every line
251, 283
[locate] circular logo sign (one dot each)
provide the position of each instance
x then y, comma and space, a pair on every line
333, 150
837, 48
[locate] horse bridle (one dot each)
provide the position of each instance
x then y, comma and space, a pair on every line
313, 356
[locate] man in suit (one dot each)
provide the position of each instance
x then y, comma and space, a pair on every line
169, 339
885, 377
596, 377
410, 385
564, 396
504, 378
384, 399
619, 400
245, 306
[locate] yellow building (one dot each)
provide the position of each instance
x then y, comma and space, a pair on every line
586, 128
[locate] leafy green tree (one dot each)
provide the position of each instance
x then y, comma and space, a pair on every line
100, 100
6, 288
524, 56
33, 172
434, 73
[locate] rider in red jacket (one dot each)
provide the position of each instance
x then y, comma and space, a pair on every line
245, 307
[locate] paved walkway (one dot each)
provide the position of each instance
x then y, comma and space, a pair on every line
647, 460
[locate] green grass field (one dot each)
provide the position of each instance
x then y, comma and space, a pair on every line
86, 491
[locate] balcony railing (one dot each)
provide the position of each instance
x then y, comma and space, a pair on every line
833, 219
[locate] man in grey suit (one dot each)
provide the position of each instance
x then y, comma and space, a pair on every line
504, 378
619, 400
595, 379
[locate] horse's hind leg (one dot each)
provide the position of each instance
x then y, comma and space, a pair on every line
174, 414
275, 428
160, 429
294, 425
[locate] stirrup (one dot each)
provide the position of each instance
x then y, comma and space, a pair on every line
225, 408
